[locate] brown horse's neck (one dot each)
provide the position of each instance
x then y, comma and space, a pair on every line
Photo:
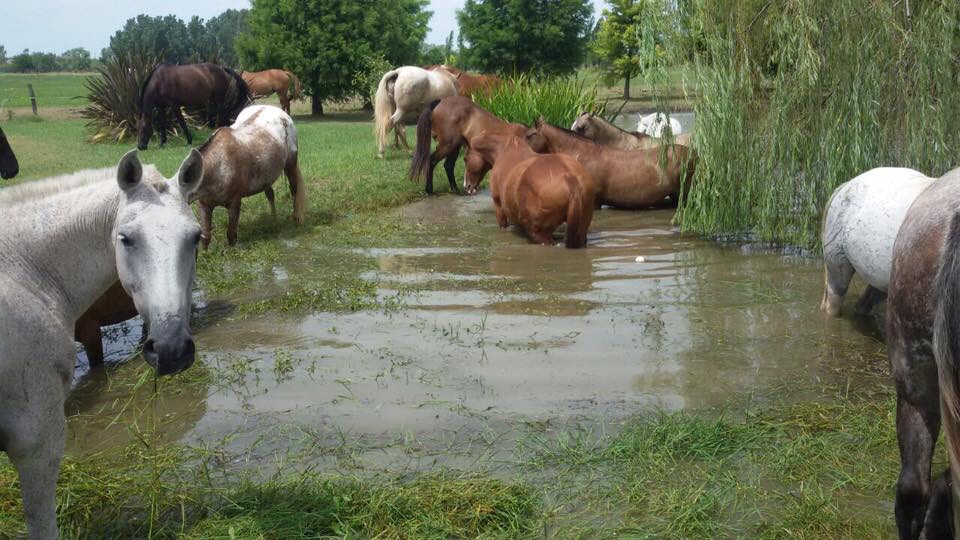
495, 147
561, 141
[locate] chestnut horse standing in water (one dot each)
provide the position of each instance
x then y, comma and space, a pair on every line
535, 192
171, 86
629, 179
264, 83
8, 161
455, 121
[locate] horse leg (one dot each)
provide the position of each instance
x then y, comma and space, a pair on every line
233, 221
88, 333
268, 191
183, 125
837, 275
541, 237
284, 100
449, 165
36, 456
163, 126
206, 224
870, 298
939, 521
918, 424
298, 189
397, 122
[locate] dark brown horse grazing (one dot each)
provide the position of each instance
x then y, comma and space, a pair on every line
198, 85
8, 162
629, 179
264, 83
114, 307
923, 342
455, 121
535, 192
470, 84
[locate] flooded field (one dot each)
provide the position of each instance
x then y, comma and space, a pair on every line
489, 338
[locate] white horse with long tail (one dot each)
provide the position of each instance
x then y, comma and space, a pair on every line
402, 95
654, 124
860, 226
63, 243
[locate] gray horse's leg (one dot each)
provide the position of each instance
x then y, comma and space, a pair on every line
918, 424
36, 457
837, 275
870, 298
268, 192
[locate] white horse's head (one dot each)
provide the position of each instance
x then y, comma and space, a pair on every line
654, 124
155, 242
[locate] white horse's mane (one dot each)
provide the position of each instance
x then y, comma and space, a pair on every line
40, 189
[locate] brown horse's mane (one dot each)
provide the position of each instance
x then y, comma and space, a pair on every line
573, 134
143, 87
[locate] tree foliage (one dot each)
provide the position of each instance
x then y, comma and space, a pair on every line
327, 44
519, 36
173, 40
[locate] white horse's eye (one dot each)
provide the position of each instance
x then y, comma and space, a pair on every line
126, 241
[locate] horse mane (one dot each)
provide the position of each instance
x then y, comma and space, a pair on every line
203, 147
243, 91
41, 189
143, 87
573, 134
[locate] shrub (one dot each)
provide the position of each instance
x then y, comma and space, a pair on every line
114, 96
559, 100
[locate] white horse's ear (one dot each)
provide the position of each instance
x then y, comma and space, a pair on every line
129, 171
190, 174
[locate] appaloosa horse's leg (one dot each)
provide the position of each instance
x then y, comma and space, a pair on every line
206, 224
918, 424
233, 221
183, 124
270, 199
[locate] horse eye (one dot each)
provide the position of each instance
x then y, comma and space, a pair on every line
126, 241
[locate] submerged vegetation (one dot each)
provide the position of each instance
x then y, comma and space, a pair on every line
798, 97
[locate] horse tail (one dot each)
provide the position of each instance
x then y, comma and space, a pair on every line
383, 109
297, 88
143, 87
421, 155
243, 91
946, 339
578, 221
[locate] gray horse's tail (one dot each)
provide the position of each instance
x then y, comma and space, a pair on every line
946, 339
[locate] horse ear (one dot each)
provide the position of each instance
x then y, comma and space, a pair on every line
190, 174
538, 123
129, 171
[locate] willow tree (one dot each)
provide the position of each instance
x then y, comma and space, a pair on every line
798, 97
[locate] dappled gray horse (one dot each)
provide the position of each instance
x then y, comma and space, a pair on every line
859, 228
63, 242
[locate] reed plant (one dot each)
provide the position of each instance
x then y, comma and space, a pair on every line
559, 100
799, 97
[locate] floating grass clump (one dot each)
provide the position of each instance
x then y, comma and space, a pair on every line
799, 97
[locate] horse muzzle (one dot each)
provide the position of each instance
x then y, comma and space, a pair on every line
169, 347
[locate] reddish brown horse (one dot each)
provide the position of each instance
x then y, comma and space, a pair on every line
114, 307
923, 342
265, 83
169, 87
535, 192
455, 121
470, 84
629, 179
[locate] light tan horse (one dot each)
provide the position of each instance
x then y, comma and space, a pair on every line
602, 132
245, 159
264, 83
402, 95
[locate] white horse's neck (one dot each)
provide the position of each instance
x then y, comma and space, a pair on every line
60, 245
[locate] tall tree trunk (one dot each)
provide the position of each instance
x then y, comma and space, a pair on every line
626, 86
316, 105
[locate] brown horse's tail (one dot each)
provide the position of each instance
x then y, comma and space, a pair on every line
946, 340
297, 92
421, 155
579, 214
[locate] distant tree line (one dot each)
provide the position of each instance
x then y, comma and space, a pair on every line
177, 42
77, 59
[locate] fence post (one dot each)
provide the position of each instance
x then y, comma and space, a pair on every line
33, 98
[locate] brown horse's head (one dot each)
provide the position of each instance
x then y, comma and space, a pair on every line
537, 141
8, 162
584, 125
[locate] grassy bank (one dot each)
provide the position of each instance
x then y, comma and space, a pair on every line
51, 89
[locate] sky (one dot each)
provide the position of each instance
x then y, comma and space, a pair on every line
59, 25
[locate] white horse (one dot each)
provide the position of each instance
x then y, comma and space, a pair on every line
653, 125
63, 243
402, 95
860, 225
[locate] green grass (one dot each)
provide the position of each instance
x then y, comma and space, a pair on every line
51, 89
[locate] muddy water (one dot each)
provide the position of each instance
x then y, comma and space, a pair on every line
501, 335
